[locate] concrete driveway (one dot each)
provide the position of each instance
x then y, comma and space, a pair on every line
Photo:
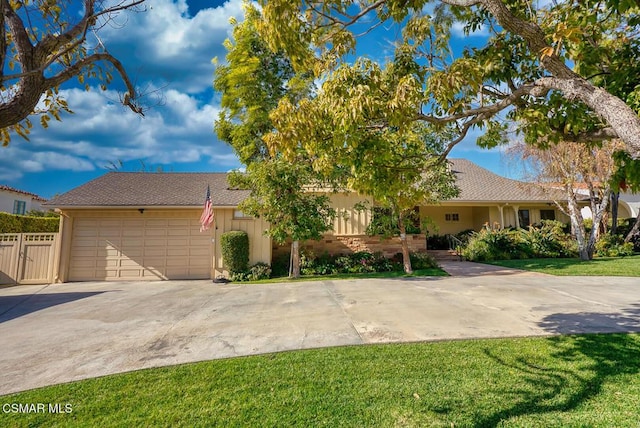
59, 333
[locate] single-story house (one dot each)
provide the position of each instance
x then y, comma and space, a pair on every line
132, 226
16, 201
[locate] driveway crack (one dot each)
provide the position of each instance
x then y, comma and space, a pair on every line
328, 285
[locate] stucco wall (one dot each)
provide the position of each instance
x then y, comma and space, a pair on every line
7, 199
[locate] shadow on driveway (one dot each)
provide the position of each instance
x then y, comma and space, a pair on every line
16, 306
626, 320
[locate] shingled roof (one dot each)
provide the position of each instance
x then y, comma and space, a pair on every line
177, 189
481, 185
141, 189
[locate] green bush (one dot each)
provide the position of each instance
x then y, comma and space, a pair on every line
422, 261
358, 262
254, 273
613, 246
235, 250
547, 240
10, 223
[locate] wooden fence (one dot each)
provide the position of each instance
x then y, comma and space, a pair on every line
27, 258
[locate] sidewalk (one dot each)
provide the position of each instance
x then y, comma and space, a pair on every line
463, 268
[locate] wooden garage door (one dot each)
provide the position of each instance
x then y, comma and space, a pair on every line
139, 249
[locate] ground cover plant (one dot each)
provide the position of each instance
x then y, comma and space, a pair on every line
604, 266
586, 380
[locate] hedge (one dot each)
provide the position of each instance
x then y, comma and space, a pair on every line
11, 223
235, 250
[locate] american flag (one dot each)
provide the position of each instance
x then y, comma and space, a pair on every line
206, 219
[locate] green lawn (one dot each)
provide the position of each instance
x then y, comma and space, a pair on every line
574, 381
396, 274
604, 266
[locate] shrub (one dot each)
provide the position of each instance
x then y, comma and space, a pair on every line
254, 273
235, 250
11, 223
547, 240
422, 261
613, 246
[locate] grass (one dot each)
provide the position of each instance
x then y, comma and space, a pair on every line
603, 266
587, 380
395, 274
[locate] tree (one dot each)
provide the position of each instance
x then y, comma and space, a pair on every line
563, 70
572, 165
627, 177
44, 44
252, 82
346, 126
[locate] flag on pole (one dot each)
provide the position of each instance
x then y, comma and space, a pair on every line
206, 219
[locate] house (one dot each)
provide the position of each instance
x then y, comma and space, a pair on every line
132, 226
16, 201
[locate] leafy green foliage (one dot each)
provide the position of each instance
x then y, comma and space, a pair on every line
256, 272
539, 67
10, 223
252, 83
358, 262
548, 240
613, 246
235, 250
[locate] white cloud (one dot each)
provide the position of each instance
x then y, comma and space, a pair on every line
165, 44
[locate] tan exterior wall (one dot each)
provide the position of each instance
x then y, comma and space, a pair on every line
259, 243
476, 217
437, 215
349, 221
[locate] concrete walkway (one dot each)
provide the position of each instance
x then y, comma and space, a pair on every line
59, 333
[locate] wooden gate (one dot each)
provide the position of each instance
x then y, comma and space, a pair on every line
27, 258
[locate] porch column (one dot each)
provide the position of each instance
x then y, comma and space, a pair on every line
501, 209
515, 208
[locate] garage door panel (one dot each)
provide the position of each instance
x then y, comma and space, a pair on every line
131, 248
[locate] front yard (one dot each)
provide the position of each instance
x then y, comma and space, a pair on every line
588, 380
603, 266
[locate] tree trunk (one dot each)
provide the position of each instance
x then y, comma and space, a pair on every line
294, 271
406, 258
615, 196
634, 230
577, 224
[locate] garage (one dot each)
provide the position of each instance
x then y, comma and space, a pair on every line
140, 246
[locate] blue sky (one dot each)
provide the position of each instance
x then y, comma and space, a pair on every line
167, 50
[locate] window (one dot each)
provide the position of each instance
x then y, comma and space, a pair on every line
19, 207
237, 214
452, 217
524, 218
547, 215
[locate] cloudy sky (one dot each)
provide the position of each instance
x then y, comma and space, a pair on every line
167, 50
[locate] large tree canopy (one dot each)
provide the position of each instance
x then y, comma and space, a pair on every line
252, 83
43, 44
562, 70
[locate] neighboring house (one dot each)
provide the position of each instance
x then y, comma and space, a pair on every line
131, 226
16, 201
628, 205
